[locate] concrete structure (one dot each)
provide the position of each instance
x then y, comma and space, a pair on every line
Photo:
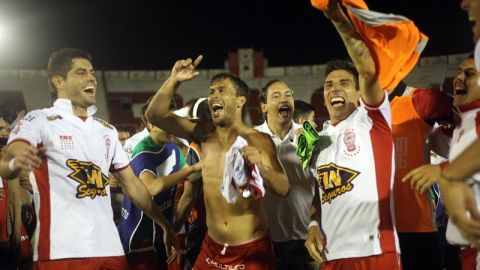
120, 93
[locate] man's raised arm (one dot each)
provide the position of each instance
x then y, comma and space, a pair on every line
359, 53
158, 112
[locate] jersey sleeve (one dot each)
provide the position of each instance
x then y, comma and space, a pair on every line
29, 129
381, 114
431, 104
120, 159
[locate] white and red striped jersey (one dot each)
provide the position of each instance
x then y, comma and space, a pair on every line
463, 136
355, 179
71, 187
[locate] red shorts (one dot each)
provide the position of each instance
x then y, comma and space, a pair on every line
98, 263
254, 255
389, 260
469, 258
150, 260
144, 260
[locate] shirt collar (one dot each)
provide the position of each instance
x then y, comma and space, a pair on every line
291, 133
470, 106
66, 106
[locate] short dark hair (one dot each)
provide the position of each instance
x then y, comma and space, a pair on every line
301, 108
344, 64
264, 91
60, 62
241, 87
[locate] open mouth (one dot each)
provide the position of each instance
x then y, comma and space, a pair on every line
90, 90
217, 109
337, 102
460, 91
284, 110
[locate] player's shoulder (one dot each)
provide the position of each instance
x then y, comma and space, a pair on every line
41, 115
257, 137
104, 123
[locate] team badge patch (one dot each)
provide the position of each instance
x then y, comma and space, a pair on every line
92, 182
349, 140
334, 181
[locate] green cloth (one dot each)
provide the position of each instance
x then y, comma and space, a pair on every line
308, 141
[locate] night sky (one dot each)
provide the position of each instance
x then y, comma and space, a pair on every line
153, 34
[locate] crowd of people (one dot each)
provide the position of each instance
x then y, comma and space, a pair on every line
207, 191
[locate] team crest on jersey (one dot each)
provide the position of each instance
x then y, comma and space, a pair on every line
92, 182
54, 117
334, 181
103, 122
107, 145
349, 140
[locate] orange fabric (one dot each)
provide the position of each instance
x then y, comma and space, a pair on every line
319, 4
390, 260
413, 211
393, 45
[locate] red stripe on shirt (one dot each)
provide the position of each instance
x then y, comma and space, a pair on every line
114, 170
43, 184
382, 146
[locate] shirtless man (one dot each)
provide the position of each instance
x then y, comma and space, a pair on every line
237, 233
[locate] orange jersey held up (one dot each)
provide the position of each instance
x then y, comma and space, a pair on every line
394, 41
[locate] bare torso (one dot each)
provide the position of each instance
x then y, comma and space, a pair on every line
228, 223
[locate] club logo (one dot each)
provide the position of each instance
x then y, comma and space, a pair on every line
92, 182
334, 181
107, 145
349, 140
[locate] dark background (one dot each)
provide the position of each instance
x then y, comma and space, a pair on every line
153, 34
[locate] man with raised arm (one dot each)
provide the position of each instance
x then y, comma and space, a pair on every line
352, 224
237, 236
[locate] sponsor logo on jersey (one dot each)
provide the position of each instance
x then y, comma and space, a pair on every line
349, 140
54, 117
103, 122
334, 181
66, 142
92, 182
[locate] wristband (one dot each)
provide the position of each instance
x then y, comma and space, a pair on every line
11, 165
313, 223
